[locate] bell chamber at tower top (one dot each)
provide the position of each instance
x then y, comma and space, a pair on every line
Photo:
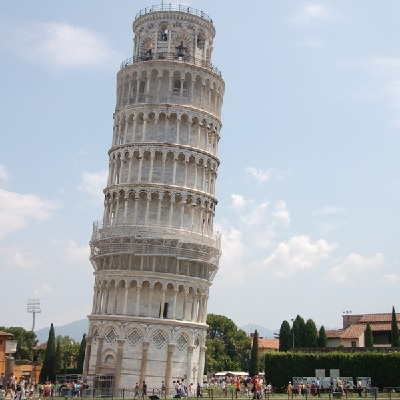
173, 33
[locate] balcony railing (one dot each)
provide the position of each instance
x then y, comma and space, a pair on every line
162, 56
172, 7
101, 232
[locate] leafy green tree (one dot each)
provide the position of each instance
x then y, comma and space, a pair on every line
310, 334
322, 338
228, 348
395, 330
81, 355
369, 340
254, 368
69, 352
49, 362
285, 337
26, 345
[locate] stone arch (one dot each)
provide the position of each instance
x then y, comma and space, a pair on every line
134, 335
159, 337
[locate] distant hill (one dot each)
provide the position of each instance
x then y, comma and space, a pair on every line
262, 331
74, 330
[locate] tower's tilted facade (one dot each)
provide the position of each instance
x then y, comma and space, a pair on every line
155, 252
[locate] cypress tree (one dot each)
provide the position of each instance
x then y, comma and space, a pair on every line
369, 340
395, 330
285, 337
322, 339
49, 366
58, 357
310, 334
81, 355
254, 368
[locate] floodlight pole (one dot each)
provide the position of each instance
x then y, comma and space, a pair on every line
33, 308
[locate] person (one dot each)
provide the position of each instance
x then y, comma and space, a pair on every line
340, 386
351, 387
144, 389
237, 385
136, 390
162, 387
313, 389
198, 391
299, 388
289, 390
223, 386
318, 387
2, 381
359, 388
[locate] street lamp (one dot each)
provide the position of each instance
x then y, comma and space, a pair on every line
34, 308
293, 330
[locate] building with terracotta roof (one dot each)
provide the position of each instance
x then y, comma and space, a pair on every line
353, 332
3, 339
265, 345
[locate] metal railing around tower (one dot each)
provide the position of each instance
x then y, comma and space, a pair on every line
172, 56
102, 231
173, 7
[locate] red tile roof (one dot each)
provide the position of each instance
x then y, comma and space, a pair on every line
270, 344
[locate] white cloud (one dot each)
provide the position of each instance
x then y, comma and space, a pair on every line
298, 254
3, 173
14, 258
312, 12
21, 262
352, 267
93, 183
59, 44
42, 291
260, 175
281, 213
238, 201
256, 214
392, 279
16, 210
72, 251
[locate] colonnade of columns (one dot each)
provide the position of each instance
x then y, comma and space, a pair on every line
156, 127
186, 304
164, 166
150, 89
140, 208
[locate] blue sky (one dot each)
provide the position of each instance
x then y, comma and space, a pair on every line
308, 186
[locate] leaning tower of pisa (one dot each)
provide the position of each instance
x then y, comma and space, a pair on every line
155, 252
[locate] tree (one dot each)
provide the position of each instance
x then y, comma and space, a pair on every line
322, 339
369, 340
285, 337
81, 355
26, 344
395, 330
310, 334
228, 348
254, 368
298, 331
58, 357
49, 362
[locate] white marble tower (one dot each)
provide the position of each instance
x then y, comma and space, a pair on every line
155, 253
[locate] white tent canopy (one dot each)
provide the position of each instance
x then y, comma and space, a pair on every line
232, 373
